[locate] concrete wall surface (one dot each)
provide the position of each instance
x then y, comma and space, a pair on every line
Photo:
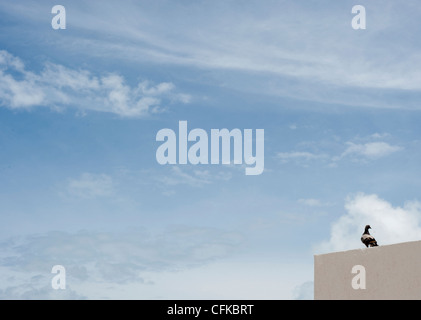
384, 272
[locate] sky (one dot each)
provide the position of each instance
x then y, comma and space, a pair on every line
80, 109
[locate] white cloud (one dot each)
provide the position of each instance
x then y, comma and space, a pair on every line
380, 135
57, 85
331, 62
371, 150
90, 185
360, 149
17, 93
58, 76
157, 90
6, 59
263, 39
259, 42
310, 202
389, 224
107, 260
32, 286
297, 155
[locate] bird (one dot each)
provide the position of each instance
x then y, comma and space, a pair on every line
368, 239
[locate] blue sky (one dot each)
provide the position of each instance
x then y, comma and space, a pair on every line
80, 109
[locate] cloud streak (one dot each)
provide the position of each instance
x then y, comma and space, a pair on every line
369, 150
264, 39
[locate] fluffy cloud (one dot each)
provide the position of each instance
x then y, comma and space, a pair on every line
58, 86
389, 224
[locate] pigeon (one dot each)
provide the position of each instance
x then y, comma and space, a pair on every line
368, 239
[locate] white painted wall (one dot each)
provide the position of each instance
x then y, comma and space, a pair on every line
391, 272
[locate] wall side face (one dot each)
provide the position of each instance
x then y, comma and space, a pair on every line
391, 272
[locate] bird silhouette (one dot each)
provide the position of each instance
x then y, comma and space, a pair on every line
368, 239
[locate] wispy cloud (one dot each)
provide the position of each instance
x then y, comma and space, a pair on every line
192, 177
311, 202
330, 63
90, 185
57, 86
256, 40
95, 258
359, 150
299, 155
371, 150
